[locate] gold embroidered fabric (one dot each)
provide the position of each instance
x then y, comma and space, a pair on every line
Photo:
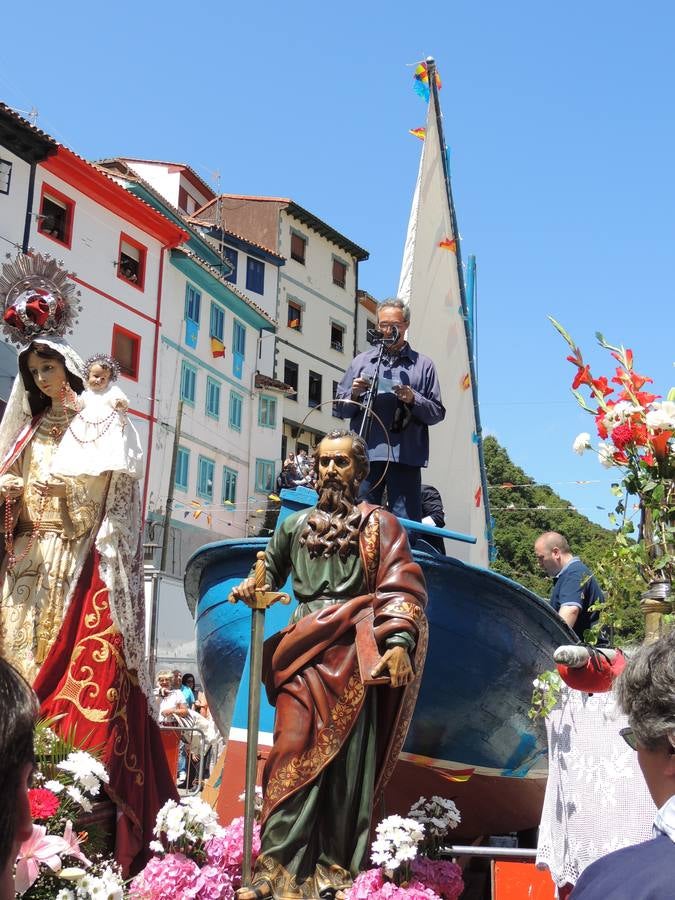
286, 886
35, 593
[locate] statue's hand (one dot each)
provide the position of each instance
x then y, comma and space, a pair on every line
245, 591
397, 663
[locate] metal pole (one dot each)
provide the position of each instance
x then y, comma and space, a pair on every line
169, 495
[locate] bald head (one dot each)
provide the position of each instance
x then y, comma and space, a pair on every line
552, 552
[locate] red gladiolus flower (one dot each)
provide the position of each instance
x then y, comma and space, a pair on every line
622, 436
644, 398
629, 358
601, 385
640, 436
660, 443
600, 425
583, 376
576, 359
620, 457
648, 459
43, 803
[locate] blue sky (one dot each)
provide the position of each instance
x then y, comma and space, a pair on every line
560, 123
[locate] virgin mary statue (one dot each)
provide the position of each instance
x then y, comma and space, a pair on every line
71, 593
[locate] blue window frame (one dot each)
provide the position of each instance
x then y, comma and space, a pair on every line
267, 411
232, 257
236, 405
182, 469
255, 275
229, 485
238, 348
264, 475
188, 382
212, 398
193, 305
217, 321
205, 470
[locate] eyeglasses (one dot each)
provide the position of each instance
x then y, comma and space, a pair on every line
629, 737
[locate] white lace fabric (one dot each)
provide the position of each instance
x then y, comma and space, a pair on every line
596, 799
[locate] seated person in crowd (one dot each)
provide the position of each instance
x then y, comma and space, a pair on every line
188, 689
18, 713
646, 693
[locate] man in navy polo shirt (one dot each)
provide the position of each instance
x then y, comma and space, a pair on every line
408, 402
575, 589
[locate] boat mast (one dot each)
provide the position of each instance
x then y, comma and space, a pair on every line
433, 88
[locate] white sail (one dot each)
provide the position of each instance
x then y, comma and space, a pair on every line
430, 284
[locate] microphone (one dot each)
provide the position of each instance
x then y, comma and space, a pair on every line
375, 336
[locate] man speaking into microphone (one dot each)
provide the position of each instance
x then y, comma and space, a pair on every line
406, 397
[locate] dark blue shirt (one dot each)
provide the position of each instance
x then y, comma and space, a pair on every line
576, 586
641, 872
410, 444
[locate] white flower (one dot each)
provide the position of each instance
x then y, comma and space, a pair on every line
87, 772
606, 454
581, 442
175, 824
620, 412
156, 846
65, 894
72, 873
77, 795
54, 786
661, 416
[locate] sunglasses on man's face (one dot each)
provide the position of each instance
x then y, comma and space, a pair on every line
629, 737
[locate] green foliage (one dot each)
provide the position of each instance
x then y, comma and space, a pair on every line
545, 694
619, 572
516, 530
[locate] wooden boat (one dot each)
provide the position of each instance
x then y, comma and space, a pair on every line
470, 736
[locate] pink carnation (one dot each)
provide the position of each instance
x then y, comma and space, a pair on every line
441, 875
170, 877
366, 885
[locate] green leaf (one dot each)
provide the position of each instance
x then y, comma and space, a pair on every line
559, 328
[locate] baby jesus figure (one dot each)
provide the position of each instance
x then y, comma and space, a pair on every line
100, 438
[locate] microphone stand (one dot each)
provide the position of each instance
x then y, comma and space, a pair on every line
371, 393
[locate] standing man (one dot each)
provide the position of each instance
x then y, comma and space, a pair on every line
337, 735
575, 589
408, 402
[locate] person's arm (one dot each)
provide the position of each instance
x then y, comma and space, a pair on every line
345, 391
569, 614
427, 405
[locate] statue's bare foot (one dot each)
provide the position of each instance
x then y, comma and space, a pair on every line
256, 892
340, 895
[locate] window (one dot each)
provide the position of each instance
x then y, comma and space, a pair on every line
186, 202
205, 470
336, 406
267, 411
298, 247
5, 175
337, 337
212, 398
238, 348
314, 398
291, 377
182, 469
126, 349
229, 485
264, 475
232, 257
193, 306
236, 404
217, 322
56, 216
339, 272
294, 319
188, 383
255, 275
131, 261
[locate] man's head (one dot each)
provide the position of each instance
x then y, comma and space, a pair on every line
646, 693
393, 314
177, 678
333, 527
552, 552
342, 462
18, 713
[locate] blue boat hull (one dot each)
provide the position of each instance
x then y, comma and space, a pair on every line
489, 638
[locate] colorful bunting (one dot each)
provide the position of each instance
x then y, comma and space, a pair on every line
420, 133
448, 244
477, 496
217, 348
465, 383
